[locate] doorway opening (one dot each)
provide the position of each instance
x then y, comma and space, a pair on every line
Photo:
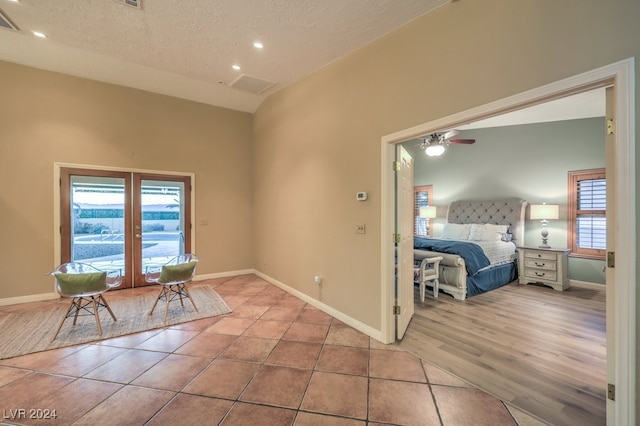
123, 220
622, 294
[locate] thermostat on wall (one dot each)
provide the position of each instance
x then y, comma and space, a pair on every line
361, 196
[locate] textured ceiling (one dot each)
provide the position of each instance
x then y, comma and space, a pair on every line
186, 48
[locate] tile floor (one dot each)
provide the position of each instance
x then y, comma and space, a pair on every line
275, 360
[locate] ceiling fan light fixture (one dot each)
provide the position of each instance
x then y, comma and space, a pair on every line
435, 150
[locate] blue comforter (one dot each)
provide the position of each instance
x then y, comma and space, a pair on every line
474, 257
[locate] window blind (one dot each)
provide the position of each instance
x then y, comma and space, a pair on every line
587, 213
422, 197
591, 220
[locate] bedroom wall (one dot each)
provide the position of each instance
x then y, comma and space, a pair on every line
318, 141
528, 161
48, 117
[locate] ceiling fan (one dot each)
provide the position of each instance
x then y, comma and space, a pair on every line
435, 144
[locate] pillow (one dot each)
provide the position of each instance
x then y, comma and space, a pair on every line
487, 232
456, 231
181, 272
81, 283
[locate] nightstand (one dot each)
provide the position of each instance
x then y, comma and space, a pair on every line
548, 266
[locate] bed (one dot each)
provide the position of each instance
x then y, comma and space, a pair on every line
478, 246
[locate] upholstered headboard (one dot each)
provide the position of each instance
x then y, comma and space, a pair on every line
499, 212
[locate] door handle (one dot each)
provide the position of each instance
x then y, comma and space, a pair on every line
138, 235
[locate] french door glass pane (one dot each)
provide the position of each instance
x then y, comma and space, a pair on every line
162, 222
97, 228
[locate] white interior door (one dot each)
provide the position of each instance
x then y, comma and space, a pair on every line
610, 153
404, 230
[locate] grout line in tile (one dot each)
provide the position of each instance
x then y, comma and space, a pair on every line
433, 397
276, 299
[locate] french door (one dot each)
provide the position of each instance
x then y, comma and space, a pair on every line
124, 220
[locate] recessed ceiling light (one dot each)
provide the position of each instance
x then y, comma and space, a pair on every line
14, 1
258, 45
236, 67
39, 34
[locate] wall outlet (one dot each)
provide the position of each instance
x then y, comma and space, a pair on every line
317, 279
361, 229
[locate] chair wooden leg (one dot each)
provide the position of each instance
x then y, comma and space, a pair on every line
162, 291
190, 298
180, 288
106, 305
95, 313
170, 293
166, 309
77, 302
422, 290
66, 315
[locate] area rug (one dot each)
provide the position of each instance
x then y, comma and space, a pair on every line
23, 333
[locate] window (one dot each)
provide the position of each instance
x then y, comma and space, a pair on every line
422, 197
587, 215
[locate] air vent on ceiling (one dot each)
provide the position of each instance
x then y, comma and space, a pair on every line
251, 84
132, 3
6, 23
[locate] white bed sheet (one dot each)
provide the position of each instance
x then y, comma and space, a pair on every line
498, 252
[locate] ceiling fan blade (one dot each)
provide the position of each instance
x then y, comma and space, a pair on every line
462, 141
450, 134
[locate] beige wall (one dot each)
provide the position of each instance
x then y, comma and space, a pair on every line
48, 117
318, 141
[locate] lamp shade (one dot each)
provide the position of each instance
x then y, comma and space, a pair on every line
544, 211
428, 212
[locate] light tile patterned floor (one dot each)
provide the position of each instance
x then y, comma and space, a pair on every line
274, 360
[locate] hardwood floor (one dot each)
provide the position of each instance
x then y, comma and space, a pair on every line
538, 349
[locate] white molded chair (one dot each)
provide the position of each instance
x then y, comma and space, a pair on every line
427, 272
85, 285
173, 277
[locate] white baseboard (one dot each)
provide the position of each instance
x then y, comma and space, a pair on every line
30, 298
360, 326
586, 284
54, 295
364, 328
223, 274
